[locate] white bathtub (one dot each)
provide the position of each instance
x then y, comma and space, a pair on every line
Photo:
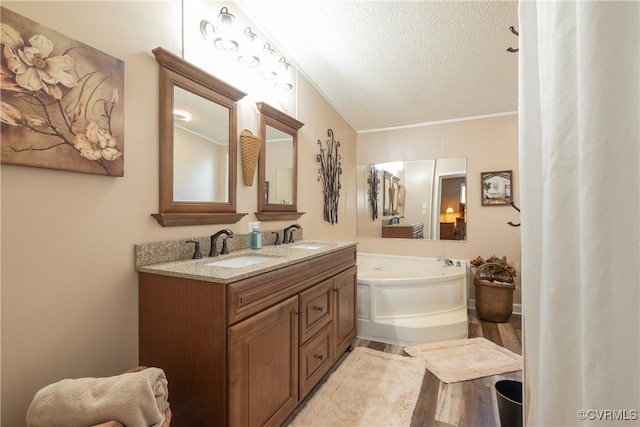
410, 300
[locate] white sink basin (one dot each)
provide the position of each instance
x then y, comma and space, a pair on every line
309, 245
240, 262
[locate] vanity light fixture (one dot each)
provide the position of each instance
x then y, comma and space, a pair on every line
226, 37
269, 64
283, 80
248, 49
183, 115
225, 30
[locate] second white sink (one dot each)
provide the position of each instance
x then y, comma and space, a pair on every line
309, 245
241, 261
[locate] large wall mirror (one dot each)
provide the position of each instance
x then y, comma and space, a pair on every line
423, 199
277, 165
198, 145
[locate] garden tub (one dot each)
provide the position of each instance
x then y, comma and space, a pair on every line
408, 300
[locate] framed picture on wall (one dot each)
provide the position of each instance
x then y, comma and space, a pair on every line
496, 188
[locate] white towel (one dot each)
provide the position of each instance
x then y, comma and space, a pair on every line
134, 399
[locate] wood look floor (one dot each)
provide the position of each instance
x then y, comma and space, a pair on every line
468, 403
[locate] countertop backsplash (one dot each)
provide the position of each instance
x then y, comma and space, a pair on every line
176, 250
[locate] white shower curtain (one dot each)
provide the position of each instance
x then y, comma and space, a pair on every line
579, 117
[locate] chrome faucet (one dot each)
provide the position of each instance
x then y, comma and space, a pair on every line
288, 233
225, 245
214, 241
447, 261
196, 253
277, 242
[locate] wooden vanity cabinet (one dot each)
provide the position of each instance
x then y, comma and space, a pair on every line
412, 231
246, 353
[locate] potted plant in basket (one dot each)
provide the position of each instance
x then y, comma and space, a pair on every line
494, 280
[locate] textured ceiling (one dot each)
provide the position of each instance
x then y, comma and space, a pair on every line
394, 63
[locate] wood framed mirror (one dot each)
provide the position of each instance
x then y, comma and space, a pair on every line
198, 145
387, 208
393, 198
278, 165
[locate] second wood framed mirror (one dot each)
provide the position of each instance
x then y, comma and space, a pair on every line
198, 145
278, 165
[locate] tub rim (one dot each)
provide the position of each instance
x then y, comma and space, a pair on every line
461, 272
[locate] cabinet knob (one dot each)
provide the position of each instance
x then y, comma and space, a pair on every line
298, 312
319, 356
318, 308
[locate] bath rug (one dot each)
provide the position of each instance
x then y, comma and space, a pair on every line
369, 388
468, 359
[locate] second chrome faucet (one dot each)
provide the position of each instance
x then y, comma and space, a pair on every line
214, 242
288, 233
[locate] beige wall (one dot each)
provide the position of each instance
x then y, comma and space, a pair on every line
69, 289
489, 144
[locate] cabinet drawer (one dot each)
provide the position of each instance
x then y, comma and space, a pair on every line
252, 295
316, 308
315, 360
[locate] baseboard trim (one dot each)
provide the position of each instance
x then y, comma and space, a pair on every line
517, 308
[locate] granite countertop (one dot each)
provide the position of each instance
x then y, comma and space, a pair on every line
279, 256
402, 224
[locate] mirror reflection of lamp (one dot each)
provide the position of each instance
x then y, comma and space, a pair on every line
182, 115
447, 212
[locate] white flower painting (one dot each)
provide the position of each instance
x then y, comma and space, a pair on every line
61, 101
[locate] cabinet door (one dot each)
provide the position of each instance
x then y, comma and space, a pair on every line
344, 321
263, 366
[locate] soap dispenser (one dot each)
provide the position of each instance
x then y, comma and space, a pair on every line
255, 235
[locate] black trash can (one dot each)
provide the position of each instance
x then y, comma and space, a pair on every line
509, 395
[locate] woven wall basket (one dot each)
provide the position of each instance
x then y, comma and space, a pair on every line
250, 147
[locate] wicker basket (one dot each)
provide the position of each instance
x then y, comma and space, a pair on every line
250, 146
494, 299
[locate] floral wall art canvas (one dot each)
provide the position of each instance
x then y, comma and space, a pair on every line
62, 101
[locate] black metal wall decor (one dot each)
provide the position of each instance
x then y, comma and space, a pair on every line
513, 205
514, 31
374, 187
330, 171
